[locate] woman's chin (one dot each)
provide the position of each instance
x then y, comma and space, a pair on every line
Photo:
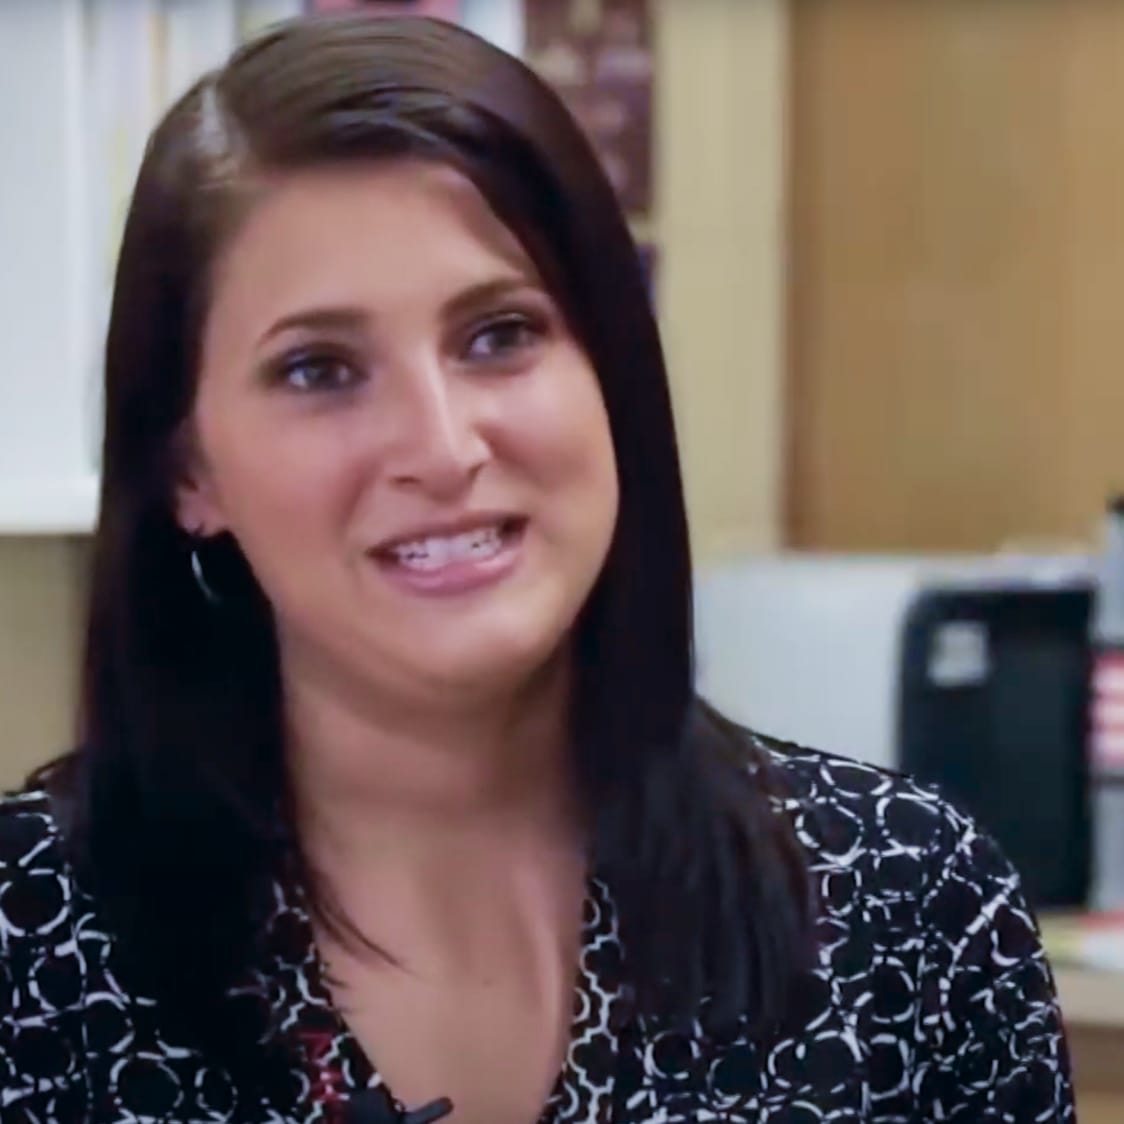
493, 666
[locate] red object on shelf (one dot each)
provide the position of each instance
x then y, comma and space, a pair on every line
1107, 733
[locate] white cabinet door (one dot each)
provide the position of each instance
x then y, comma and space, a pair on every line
47, 478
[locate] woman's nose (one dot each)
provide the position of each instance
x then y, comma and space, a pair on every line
439, 448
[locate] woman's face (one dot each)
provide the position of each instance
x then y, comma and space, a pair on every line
396, 424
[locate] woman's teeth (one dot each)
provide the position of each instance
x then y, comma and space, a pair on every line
436, 551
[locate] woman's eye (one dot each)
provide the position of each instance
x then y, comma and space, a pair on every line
503, 337
317, 373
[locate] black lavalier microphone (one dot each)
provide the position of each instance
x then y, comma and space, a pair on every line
374, 1106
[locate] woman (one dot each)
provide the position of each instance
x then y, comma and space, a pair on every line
389, 733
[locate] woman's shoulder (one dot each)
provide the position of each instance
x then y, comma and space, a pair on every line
898, 871
28, 829
36, 887
927, 949
814, 780
895, 834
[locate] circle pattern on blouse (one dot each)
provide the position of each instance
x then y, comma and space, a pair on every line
931, 998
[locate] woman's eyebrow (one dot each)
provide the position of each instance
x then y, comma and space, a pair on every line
327, 318
485, 292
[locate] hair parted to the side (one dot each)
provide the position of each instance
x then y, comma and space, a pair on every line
177, 794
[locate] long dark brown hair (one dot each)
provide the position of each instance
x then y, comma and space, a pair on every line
176, 795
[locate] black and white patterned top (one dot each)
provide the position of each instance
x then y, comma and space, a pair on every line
931, 1000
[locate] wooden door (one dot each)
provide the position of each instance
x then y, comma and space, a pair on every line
956, 281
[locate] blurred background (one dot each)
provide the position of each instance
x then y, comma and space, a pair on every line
885, 242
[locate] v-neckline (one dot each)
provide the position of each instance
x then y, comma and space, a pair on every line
336, 1066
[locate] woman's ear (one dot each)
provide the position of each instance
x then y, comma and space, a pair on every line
196, 502
196, 511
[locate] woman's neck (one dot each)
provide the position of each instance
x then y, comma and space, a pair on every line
374, 783
451, 839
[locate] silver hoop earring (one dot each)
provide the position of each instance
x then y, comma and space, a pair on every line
201, 579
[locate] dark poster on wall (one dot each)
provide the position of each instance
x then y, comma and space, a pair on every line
598, 55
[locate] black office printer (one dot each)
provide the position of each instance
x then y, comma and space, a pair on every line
993, 707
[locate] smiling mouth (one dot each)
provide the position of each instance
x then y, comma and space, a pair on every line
430, 554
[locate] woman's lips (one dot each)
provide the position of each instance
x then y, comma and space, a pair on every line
456, 562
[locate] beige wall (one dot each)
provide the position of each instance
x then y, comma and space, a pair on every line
718, 224
40, 615
722, 74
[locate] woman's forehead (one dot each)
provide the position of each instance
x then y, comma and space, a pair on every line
386, 229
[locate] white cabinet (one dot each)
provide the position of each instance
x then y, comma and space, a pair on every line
47, 469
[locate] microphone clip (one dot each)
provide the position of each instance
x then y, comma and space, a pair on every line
376, 1106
